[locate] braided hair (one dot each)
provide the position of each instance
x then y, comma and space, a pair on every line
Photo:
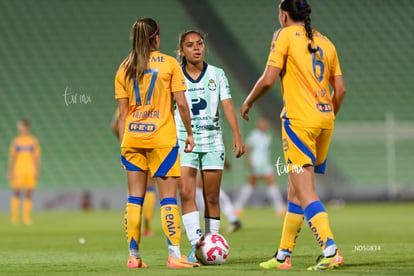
300, 10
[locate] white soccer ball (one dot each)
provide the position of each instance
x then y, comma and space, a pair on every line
212, 249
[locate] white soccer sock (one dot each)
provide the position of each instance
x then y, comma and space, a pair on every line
329, 250
134, 252
191, 222
282, 254
227, 207
200, 200
212, 225
245, 193
275, 197
175, 251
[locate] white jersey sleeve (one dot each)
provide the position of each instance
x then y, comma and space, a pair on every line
224, 86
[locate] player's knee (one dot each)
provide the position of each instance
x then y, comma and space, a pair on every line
16, 193
212, 199
186, 195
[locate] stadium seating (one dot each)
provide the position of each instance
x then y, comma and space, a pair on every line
59, 59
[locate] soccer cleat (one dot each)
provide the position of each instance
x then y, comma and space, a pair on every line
234, 226
133, 262
182, 262
331, 262
275, 263
191, 256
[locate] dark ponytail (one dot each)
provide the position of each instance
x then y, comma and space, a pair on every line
300, 10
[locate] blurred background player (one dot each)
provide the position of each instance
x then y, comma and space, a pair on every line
226, 206
146, 84
150, 193
207, 87
258, 151
23, 171
307, 63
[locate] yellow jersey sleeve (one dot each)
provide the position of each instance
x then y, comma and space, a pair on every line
120, 84
278, 49
178, 80
335, 68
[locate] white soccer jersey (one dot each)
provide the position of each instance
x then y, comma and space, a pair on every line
203, 97
259, 143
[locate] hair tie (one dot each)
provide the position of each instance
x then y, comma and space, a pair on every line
302, 4
155, 33
315, 48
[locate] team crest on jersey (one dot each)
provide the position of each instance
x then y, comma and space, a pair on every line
212, 85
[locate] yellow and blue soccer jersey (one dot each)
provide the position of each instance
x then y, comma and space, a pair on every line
150, 120
203, 97
25, 150
305, 76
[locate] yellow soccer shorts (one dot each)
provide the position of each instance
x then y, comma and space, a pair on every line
26, 180
161, 162
305, 146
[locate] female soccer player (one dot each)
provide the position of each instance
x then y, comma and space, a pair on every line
24, 168
145, 85
307, 63
258, 144
150, 195
207, 87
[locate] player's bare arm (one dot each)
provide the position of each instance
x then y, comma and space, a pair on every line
338, 85
262, 86
230, 113
123, 111
37, 165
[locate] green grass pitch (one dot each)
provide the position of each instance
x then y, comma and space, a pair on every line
375, 239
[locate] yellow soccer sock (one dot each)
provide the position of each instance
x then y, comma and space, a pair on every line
14, 209
291, 229
170, 221
133, 213
27, 210
148, 208
319, 224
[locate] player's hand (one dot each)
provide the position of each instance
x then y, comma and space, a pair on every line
189, 143
244, 110
227, 165
238, 146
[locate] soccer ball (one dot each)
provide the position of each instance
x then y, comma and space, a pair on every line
212, 249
